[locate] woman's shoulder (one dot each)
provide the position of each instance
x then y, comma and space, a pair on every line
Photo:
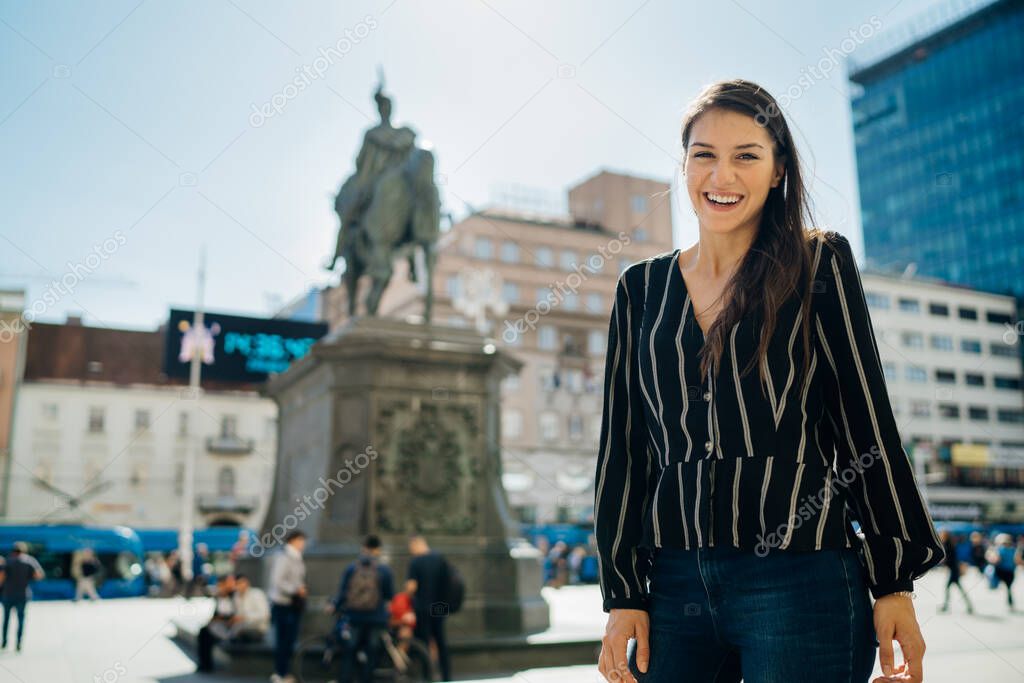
831, 252
637, 272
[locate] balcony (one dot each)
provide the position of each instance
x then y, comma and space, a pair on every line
208, 502
230, 445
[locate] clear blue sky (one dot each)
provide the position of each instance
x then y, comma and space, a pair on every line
128, 121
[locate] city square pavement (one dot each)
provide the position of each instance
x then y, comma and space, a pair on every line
129, 640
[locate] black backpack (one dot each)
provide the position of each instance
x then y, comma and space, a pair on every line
454, 588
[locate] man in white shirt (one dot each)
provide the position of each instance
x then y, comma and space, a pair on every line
287, 601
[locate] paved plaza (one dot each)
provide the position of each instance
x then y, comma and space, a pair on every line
129, 640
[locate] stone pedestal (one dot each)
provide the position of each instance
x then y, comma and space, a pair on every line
391, 428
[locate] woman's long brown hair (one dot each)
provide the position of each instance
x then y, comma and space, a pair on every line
780, 259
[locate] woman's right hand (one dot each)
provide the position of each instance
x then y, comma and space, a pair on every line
624, 624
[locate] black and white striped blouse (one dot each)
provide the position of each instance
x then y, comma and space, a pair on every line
692, 462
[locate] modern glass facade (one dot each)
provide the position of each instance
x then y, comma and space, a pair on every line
939, 136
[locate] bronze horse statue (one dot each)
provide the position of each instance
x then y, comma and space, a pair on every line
387, 208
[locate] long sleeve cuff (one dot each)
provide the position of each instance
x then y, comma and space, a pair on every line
642, 602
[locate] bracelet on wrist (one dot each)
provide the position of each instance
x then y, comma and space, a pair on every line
909, 594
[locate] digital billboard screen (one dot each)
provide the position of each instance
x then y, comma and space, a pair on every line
236, 348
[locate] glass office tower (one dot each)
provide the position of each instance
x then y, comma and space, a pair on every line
939, 134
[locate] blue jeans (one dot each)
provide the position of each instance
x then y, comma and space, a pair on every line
719, 613
19, 607
286, 629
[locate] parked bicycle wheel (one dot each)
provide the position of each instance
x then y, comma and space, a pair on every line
411, 666
315, 660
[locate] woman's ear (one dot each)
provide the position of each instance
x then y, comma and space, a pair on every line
780, 171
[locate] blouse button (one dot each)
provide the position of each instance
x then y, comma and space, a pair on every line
707, 395
708, 446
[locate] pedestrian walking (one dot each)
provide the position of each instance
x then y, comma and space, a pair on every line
19, 571
746, 425
953, 564
86, 573
1004, 558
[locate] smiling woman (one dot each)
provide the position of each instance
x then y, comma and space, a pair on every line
724, 497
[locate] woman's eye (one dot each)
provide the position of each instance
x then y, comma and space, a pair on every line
699, 155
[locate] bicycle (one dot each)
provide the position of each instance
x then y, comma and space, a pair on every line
316, 658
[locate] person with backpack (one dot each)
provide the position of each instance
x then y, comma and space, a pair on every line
437, 590
362, 607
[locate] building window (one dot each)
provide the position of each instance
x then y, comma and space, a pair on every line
594, 303
909, 305
968, 313
545, 257
453, 286
1001, 349
483, 248
941, 310
638, 203
547, 337
623, 264
511, 423
510, 292
575, 427
1010, 415
998, 318
876, 300
527, 514
182, 424
95, 420
228, 426
977, 413
1005, 382
574, 380
572, 302
949, 410
597, 342
942, 342
548, 379
548, 426
141, 420
973, 379
49, 411
226, 482
945, 376
916, 373
912, 340
567, 259
970, 345
640, 234
889, 369
509, 252
920, 409
510, 383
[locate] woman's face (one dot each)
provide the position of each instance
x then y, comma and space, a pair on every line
729, 156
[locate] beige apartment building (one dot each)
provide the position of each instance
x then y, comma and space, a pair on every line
12, 359
542, 287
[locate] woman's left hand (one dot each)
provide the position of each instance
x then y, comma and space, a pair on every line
895, 619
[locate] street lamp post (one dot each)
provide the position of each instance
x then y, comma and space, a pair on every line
191, 453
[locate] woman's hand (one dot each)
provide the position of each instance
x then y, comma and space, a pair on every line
624, 624
895, 620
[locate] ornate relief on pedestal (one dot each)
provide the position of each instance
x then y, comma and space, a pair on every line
428, 472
